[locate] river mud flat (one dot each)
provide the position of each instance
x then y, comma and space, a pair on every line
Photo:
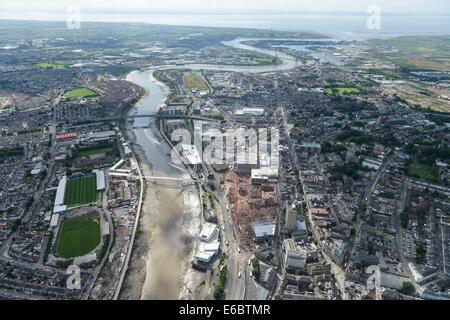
160, 265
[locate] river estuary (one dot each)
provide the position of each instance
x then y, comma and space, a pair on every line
160, 264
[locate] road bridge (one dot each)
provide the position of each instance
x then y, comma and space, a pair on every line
159, 116
179, 183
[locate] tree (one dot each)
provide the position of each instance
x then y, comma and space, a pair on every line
256, 271
404, 217
408, 288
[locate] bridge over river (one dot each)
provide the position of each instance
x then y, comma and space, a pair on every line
159, 116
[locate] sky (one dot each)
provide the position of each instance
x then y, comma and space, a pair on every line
357, 6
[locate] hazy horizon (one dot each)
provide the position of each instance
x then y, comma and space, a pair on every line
439, 7
343, 19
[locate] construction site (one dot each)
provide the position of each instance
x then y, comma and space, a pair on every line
251, 205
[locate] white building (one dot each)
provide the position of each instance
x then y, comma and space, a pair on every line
421, 276
372, 163
264, 175
250, 112
100, 174
59, 206
117, 165
204, 256
208, 232
54, 221
263, 231
59, 199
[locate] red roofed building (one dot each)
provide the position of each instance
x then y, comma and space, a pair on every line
319, 211
66, 136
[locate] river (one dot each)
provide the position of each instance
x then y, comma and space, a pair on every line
160, 265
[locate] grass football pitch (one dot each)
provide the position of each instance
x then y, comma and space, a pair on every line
79, 236
81, 191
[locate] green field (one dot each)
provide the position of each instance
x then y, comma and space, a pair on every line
261, 60
419, 52
39, 76
50, 66
79, 236
80, 92
195, 82
343, 90
423, 171
81, 191
92, 152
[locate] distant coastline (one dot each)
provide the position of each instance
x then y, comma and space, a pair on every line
345, 26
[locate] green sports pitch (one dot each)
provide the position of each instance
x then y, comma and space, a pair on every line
80, 191
80, 92
79, 236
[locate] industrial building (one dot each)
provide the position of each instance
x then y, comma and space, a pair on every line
101, 136
264, 175
264, 232
372, 163
249, 112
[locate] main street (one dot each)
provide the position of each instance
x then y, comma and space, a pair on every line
336, 269
235, 256
367, 198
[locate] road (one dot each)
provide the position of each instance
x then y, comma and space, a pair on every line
136, 223
41, 190
367, 195
236, 257
337, 270
98, 268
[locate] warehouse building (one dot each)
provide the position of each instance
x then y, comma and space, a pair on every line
101, 136
264, 175
249, 112
264, 232
372, 163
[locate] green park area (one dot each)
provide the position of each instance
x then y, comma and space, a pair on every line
428, 173
261, 60
39, 76
80, 92
419, 52
195, 82
106, 147
81, 191
342, 90
79, 236
88, 153
50, 66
